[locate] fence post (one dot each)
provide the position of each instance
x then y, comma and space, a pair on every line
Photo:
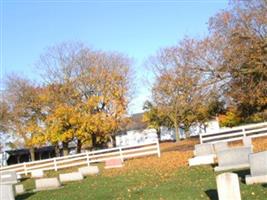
244, 132
200, 138
158, 148
55, 164
121, 154
25, 168
87, 158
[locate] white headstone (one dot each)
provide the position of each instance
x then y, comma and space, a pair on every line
37, 174
247, 141
6, 192
204, 149
220, 146
90, 170
74, 176
228, 186
47, 183
258, 168
233, 158
201, 160
8, 177
19, 189
258, 163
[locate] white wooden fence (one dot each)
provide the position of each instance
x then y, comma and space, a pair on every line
236, 133
86, 158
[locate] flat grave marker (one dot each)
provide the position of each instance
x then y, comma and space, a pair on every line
19, 189
113, 163
74, 176
89, 170
47, 184
37, 174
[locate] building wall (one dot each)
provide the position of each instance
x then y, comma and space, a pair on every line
134, 137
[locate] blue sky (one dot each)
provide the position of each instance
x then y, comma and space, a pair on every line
136, 28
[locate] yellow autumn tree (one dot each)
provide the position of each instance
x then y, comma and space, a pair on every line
87, 93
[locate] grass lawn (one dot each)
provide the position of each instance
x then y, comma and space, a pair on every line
167, 177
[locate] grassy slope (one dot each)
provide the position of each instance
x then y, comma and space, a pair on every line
148, 178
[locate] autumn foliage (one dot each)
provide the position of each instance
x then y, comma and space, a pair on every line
83, 98
228, 66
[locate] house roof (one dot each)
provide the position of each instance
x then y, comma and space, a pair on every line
136, 122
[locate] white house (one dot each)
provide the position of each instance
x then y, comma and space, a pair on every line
137, 132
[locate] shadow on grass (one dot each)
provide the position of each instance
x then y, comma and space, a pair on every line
264, 185
212, 194
24, 196
242, 174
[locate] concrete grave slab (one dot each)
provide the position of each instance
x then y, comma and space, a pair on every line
89, 170
233, 158
68, 177
228, 186
47, 184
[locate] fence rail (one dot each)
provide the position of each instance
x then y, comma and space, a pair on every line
234, 134
86, 158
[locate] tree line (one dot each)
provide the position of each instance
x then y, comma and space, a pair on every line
223, 74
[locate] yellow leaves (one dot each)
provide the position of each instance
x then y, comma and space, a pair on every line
163, 167
230, 119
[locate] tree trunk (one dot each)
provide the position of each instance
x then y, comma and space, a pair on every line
79, 146
111, 142
65, 148
177, 132
158, 133
93, 141
57, 150
32, 154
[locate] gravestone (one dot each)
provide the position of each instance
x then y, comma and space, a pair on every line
74, 176
19, 177
220, 146
47, 184
19, 189
247, 141
228, 186
7, 192
204, 149
37, 174
90, 170
204, 154
201, 160
8, 177
113, 163
233, 158
258, 168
